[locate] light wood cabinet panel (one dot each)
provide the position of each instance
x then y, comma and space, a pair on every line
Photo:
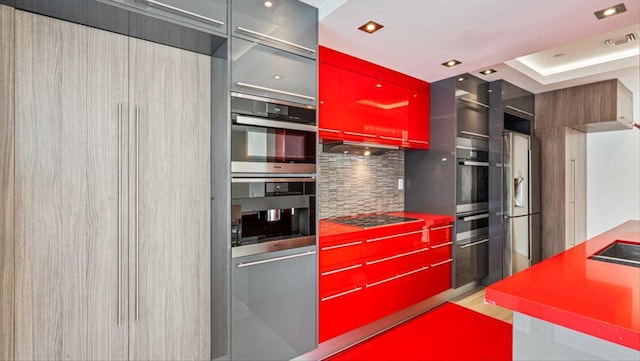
575, 187
68, 87
6, 183
552, 194
170, 295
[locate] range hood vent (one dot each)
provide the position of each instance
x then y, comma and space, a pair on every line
347, 147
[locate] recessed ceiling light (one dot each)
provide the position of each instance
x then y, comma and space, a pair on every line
452, 62
462, 78
488, 71
371, 27
268, 4
277, 77
366, 152
610, 11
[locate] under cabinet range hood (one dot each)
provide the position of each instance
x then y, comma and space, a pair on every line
348, 147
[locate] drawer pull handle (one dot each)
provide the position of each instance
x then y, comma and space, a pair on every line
341, 246
217, 23
474, 243
441, 263
248, 264
519, 110
442, 245
397, 256
341, 270
389, 138
441, 227
467, 100
396, 235
273, 38
418, 141
341, 294
360, 134
397, 276
475, 134
328, 130
258, 87
473, 218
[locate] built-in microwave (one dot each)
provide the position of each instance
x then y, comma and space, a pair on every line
270, 136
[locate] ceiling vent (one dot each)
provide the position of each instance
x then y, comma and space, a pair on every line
620, 40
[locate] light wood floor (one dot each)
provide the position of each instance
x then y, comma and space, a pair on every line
475, 301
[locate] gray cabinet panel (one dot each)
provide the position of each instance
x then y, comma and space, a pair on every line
273, 305
204, 15
267, 72
289, 25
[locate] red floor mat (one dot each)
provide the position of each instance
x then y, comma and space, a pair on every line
449, 332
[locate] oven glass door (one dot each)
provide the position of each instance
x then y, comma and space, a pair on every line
262, 144
472, 190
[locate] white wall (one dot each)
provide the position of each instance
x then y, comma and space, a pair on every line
613, 176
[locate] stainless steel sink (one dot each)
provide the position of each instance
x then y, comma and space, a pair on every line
620, 252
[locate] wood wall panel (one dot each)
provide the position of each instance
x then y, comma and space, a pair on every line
172, 90
69, 81
552, 192
7, 268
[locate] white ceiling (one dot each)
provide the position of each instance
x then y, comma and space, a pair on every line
419, 35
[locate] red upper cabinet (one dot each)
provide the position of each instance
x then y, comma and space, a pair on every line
418, 124
361, 101
329, 104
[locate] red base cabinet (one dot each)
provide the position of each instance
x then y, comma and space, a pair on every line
363, 102
375, 273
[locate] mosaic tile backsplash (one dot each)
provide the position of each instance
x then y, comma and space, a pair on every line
353, 184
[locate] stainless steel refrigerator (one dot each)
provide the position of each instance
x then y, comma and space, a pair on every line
521, 197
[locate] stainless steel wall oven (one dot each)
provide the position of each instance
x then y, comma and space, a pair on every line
270, 136
472, 176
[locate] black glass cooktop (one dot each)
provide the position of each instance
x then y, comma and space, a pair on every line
373, 221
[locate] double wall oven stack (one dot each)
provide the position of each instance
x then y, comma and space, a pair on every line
472, 210
273, 167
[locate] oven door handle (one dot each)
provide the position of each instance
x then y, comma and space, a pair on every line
473, 218
474, 163
261, 122
474, 243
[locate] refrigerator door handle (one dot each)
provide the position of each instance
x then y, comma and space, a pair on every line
518, 188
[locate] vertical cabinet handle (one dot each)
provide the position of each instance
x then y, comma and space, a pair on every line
573, 195
119, 214
137, 155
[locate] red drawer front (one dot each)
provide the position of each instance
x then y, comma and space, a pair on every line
339, 278
390, 245
343, 253
439, 278
440, 252
384, 267
395, 293
441, 233
341, 312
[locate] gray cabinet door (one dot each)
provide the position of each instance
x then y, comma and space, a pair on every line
70, 83
267, 72
273, 305
170, 268
289, 25
204, 15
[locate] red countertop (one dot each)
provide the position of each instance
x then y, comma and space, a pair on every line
328, 228
597, 298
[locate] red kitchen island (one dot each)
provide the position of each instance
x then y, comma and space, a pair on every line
574, 307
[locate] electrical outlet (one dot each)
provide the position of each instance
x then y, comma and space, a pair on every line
400, 184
